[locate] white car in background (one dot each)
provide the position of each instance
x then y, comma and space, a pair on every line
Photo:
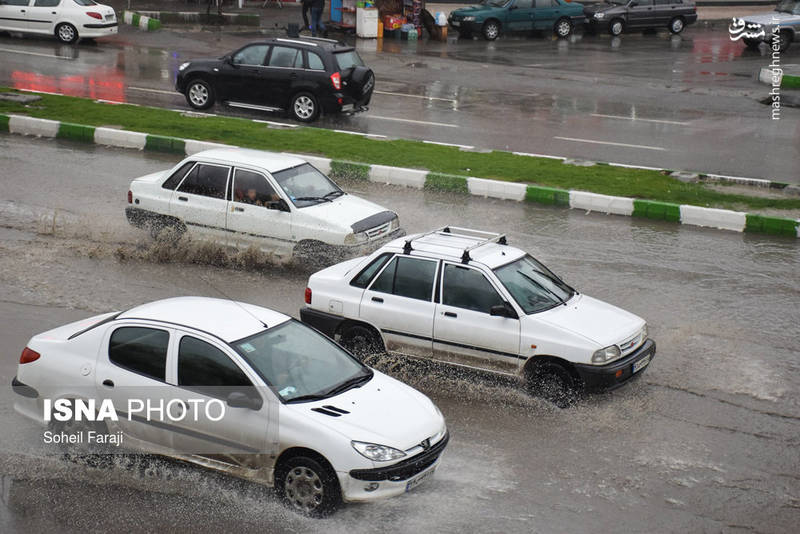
300, 413
242, 198
67, 20
465, 297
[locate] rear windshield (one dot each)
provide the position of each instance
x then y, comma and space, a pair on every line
347, 60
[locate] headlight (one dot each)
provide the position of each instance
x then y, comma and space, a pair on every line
606, 355
468, 19
644, 332
599, 16
377, 453
183, 65
355, 239
395, 224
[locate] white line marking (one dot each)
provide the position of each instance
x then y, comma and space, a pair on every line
412, 121
609, 143
275, 123
538, 155
360, 133
416, 96
658, 121
159, 91
34, 53
468, 147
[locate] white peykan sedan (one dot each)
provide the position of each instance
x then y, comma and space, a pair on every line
237, 388
242, 198
67, 20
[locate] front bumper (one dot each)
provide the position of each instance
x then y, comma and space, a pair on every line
465, 26
376, 242
327, 323
616, 373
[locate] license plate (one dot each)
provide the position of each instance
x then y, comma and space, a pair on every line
641, 364
455, 23
414, 482
347, 107
109, 17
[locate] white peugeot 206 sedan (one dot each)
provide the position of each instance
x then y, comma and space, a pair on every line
467, 298
67, 20
237, 388
241, 197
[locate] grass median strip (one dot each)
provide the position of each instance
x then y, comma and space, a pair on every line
167, 128
349, 171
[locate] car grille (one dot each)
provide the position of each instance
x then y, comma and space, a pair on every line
632, 343
378, 230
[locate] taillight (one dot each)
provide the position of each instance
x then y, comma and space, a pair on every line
95, 15
130, 197
28, 356
308, 295
336, 80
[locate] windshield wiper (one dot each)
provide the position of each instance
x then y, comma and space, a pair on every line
562, 301
333, 194
303, 398
311, 199
349, 384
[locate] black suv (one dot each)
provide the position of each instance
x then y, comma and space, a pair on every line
300, 76
622, 15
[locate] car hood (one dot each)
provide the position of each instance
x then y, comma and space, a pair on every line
473, 11
773, 18
344, 211
597, 8
383, 411
594, 320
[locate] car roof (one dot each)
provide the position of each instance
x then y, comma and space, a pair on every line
451, 246
271, 161
309, 42
228, 320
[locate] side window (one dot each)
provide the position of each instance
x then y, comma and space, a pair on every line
253, 188
315, 62
141, 350
644, 3
524, 4
15, 2
407, 277
469, 289
201, 364
283, 56
540, 4
206, 180
252, 55
365, 276
46, 3
173, 181
664, 2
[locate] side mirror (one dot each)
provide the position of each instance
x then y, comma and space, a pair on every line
282, 205
633, 4
503, 310
239, 399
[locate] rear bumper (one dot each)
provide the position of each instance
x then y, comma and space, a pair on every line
99, 30
343, 103
327, 323
23, 389
615, 374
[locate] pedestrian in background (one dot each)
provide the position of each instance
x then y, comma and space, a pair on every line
306, 6
316, 16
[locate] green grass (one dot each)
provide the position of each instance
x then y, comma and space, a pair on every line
345, 170
446, 182
790, 82
440, 160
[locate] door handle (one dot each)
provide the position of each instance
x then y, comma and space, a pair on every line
237, 208
53, 13
183, 199
108, 383
182, 407
293, 75
377, 299
450, 314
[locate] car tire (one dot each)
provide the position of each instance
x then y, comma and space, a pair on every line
785, 40
553, 382
616, 27
199, 94
66, 33
362, 341
308, 486
752, 44
563, 28
491, 29
676, 25
304, 107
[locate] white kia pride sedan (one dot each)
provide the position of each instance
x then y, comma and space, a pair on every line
242, 198
237, 388
67, 20
465, 297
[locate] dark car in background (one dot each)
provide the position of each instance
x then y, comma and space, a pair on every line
617, 16
300, 76
491, 17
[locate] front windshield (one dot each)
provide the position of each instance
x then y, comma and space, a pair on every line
533, 286
306, 186
299, 363
789, 6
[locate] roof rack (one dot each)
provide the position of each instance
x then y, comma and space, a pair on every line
295, 41
484, 238
324, 39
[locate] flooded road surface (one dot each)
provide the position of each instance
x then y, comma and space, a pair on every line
708, 439
673, 102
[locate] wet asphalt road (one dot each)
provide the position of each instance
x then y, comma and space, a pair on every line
677, 102
706, 440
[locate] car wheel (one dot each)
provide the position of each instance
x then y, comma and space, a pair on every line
785, 40
199, 94
752, 44
563, 28
491, 30
616, 27
553, 382
361, 341
676, 25
66, 33
307, 486
304, 107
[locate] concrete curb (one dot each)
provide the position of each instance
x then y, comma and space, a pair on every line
141, 21
197, 17
423, 179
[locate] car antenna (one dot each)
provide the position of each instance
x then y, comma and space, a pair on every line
239, 304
